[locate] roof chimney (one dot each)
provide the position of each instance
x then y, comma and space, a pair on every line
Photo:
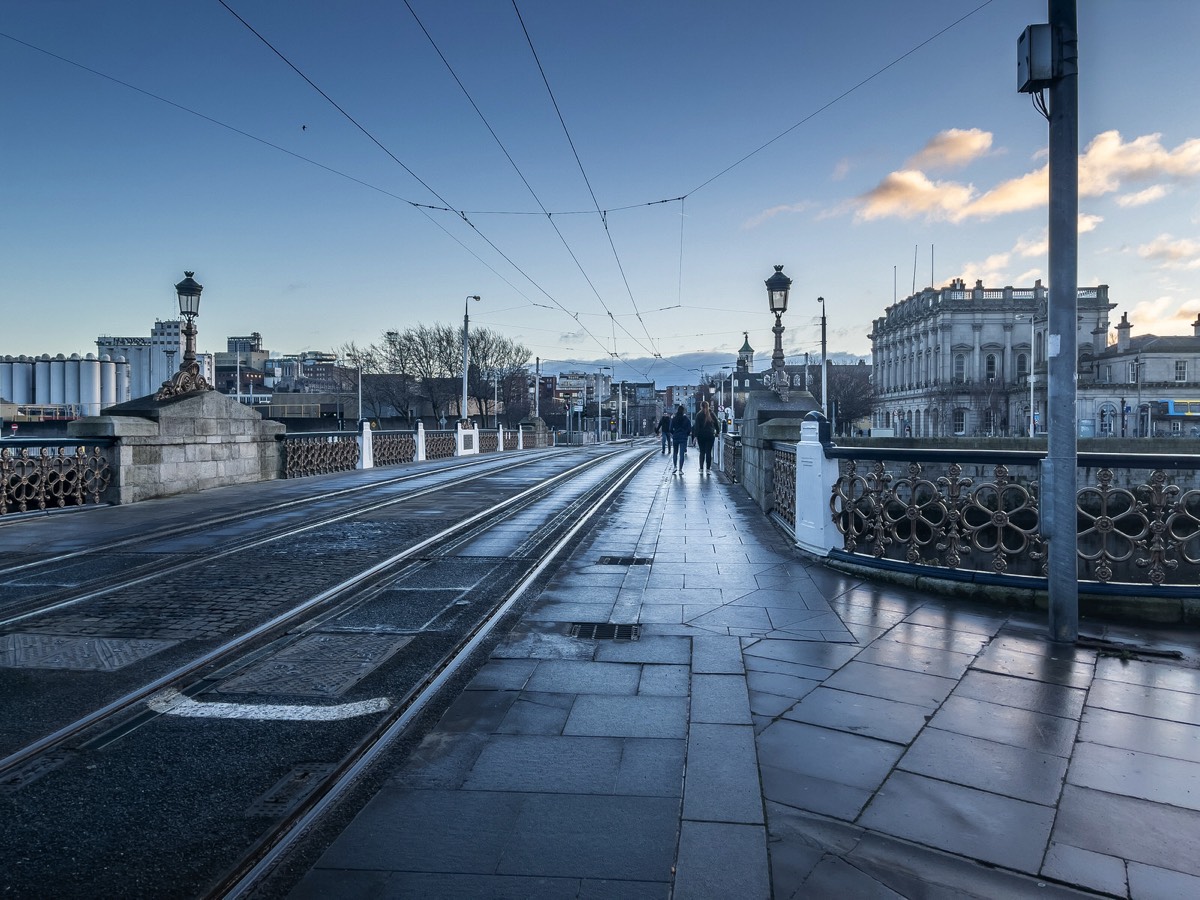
1123, 333
1196, 326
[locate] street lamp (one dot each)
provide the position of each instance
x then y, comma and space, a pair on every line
599, 411
188, 378
824, 365
1032, 320
466, 357
778, 286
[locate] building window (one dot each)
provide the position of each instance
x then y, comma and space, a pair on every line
1022, 365
990, 366
1133, 371
1176, 427
1181, 370
960, 421
960, 367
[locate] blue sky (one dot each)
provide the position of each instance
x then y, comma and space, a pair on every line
302, 227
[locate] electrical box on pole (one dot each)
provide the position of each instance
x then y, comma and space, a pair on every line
1036, 59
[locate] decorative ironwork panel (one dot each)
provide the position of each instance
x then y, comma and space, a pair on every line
45, 477
487, 442
391, 448
785, 485
731, 458
1145, 530
439, 444
319, 454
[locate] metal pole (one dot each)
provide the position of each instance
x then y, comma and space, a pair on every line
1060, 469
496, 400
1032, 321
824, 365
466, 360
360, 391
537, 388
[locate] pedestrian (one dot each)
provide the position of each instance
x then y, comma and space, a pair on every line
664, 428
681, 430
705, 431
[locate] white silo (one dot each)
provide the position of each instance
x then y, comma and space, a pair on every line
71, 381
58, 379
89, 385
123, 393
22, 373
6, 367
108, 381
41, 380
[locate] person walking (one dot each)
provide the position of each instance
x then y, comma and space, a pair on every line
705, 431
681, 430
664, 428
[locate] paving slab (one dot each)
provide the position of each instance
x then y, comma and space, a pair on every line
782, 730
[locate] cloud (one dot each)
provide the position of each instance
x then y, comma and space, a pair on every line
1141, 198
1164, 315
841, 170
952, 148
1088, 222
1107, 160
1172, 253
909, 193
1105, 164
768, 214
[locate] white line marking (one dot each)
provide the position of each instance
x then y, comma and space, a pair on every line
171, 703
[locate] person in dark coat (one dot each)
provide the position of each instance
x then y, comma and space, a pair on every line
664, 428
705, 432
681, 430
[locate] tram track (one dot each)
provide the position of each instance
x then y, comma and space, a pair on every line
12, 612
122, 719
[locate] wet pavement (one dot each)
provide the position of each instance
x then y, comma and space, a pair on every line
782, 730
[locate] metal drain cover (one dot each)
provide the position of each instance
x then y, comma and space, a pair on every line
605, 631
625, 560
290, 790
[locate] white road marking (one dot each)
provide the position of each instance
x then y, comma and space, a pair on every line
171, 703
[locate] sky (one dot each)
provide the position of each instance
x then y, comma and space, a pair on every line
614, 179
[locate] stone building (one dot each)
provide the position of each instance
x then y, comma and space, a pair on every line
972, 361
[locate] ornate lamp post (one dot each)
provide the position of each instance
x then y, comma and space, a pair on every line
824, 364
188, 378
778, 286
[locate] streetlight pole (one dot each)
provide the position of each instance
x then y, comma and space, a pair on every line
466, 356
598, 411
824, 365
1032, 321
188, 378
778, 286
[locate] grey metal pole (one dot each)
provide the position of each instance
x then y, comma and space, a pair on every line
824, 365
1059, 522
466, 358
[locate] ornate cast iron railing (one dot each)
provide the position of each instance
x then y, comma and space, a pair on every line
52, 474
439, 444
319, 453
979, 511
785, 484
488, 442
390, 448
731, 458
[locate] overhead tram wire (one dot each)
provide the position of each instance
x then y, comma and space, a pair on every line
582, 171
420, 207
513, 163
462, 215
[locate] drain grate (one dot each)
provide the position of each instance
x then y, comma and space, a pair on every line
290, 790
605, 631
625, 560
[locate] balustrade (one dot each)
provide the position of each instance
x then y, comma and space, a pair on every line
53, 473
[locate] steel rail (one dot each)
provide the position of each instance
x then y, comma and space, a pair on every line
272, 848
231, 648
158, 571
229, 518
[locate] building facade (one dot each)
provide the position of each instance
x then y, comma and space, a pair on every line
962, 361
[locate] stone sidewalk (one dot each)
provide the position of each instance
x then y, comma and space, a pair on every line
780, 730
